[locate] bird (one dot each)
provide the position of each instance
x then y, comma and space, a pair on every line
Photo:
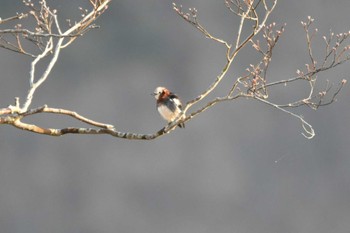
169, 105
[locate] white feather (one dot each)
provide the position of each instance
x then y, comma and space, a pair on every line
167, 114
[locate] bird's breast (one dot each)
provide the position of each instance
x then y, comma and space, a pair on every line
167, 114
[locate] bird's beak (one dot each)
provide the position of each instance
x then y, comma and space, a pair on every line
153, 94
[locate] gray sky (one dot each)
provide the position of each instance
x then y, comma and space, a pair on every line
216, 175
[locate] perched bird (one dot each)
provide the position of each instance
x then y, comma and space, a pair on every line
168, 104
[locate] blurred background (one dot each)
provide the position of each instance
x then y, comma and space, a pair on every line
239, 167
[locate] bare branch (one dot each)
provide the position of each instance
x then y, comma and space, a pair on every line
26, 32
45, 109
15, 120
18, 16
191, 17
307, 127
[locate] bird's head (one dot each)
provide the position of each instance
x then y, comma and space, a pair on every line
159, 91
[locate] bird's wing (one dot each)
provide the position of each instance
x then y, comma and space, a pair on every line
175, 100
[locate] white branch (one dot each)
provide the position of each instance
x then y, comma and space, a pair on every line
57, 48
309, 131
